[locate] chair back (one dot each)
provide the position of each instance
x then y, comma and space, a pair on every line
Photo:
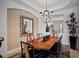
39, 35
30, 38
53, 35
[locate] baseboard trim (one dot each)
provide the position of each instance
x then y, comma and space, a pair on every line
12, 52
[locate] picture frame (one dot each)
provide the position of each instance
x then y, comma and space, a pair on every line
26, 25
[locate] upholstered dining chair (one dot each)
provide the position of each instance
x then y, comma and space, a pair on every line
27, 49
55, 50
39, 35
30, 38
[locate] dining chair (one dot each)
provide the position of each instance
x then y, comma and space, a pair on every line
29, 48
30, 38
39, 35
56, 48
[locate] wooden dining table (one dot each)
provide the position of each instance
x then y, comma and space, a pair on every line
38, 43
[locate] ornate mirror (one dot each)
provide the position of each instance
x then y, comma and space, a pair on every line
26, 25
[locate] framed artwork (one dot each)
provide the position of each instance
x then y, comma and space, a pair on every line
26, 25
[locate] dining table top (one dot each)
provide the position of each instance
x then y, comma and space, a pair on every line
38, 43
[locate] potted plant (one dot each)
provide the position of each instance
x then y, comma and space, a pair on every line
72, 30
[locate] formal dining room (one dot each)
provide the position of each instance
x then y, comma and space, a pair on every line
39, 29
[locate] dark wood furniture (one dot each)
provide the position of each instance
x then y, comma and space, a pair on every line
43, 49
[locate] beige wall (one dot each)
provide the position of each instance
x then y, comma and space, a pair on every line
13, 24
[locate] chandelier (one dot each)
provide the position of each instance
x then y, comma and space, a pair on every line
46, 16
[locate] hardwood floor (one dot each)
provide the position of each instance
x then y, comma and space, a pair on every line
65, 52
74, 53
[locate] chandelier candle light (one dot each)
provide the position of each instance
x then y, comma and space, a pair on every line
46, 16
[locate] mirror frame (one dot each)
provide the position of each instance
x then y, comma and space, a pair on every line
23, 25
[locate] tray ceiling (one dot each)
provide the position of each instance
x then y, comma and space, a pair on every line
51, 4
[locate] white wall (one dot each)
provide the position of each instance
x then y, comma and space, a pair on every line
41, 26
4, 4
56, 26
